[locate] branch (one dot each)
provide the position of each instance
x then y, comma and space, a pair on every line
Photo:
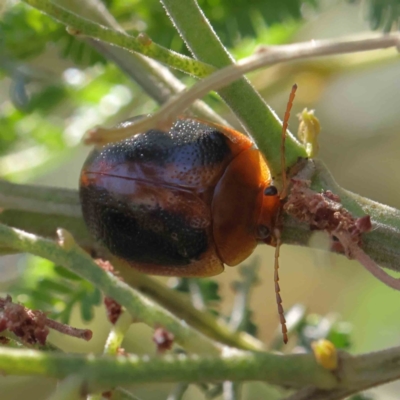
114, 340
239, 317
79, 26
155, 79
70, 388
297, 370
241, 97
381, 244
122, 394
292, 371
177, 304
273, 55
68, 254
40, 224
39, 199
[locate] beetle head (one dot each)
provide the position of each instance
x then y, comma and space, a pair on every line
268, 217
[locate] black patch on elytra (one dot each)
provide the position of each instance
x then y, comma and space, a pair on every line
138, 234
189, 142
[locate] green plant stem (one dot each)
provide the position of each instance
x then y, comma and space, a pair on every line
122, 394
114, 340
83, 27
239, 315
155, 79
176, 303
231, 390
16, 342
39, 199
69, 389
262, 123
133, 65
381, 244
178, 392
292, 371
6, 341
196, 297
74, 258
234, 365
117, 333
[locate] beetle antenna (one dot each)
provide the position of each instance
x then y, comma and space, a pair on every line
285, 124
282, 195
277, 287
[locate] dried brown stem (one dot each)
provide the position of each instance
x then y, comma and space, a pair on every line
32, 326
324, 211
85, 334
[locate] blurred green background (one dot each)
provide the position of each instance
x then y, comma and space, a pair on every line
53, 89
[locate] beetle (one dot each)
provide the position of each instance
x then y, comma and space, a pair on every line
184, 202
181, 203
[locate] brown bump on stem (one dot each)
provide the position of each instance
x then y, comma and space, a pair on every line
144, 39
122, 352
113, 309
73, 31
364, 224
163, 339
4, 340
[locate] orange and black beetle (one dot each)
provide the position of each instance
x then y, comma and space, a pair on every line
180, 203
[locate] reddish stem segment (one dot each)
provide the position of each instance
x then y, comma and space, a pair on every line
85, 334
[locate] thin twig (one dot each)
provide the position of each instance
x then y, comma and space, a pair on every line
32, 325
123, 394
155, 79
69, 389
114, 341
39, 199
85, 334
196, 296
239, 314
273, 55
231, 390
178, 391
83, 27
